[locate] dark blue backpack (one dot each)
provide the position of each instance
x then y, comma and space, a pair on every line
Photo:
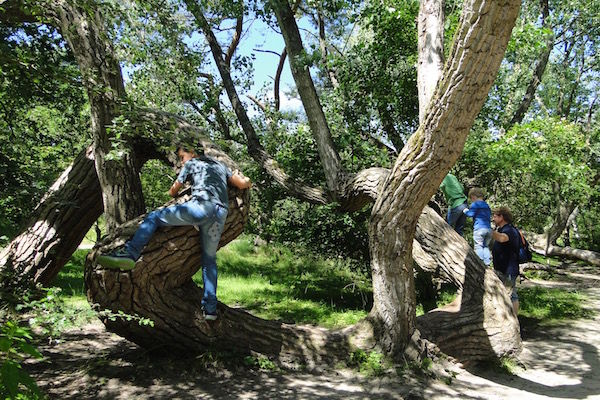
524, 250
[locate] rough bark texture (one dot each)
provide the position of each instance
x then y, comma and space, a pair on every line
57, 225
73, 203
160, 288
480, 323
83, 28
478, 49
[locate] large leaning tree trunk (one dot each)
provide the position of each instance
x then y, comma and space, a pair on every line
476, 54
361, 188
72, 204
160, 288
57, 226
480, 323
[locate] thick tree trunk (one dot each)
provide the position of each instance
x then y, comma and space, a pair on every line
160, 288
74, 202
480, 323
57, 226
478, 49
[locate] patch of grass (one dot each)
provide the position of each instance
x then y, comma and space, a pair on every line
369, 364
544, 275
445, 296
70, 277
275, 282
552, 305
537, 258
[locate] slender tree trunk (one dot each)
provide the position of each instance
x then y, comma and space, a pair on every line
538, 71
431, 50
83, 28
316, 117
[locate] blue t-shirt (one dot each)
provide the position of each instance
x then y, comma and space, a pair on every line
208, 178
481, 214
506, 255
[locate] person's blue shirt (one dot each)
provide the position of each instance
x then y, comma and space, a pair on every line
481, 214
208, 178
506, 255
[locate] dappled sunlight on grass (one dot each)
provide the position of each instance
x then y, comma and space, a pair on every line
549, 304
273, 282
70, 277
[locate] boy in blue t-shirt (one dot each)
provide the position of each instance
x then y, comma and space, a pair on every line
206, 210
480, 211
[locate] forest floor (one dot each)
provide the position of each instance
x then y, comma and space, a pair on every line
559, 361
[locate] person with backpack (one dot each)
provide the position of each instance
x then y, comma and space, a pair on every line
456, 201
480, 211
505, 252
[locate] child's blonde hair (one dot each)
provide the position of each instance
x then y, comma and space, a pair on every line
476, 192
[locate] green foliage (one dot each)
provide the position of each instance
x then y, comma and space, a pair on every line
532, 168
376, 96
44, 118
277, 283
369, 364
260, 362
156, 178
552, 305
15, 346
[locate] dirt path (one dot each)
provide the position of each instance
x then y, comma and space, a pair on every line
561, 362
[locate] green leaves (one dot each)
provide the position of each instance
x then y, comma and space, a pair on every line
532, 168
14, 347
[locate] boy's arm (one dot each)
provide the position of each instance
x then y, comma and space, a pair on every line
175, 188
239, 181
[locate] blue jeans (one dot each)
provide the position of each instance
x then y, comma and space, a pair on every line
457, 218
210, 220
481, 244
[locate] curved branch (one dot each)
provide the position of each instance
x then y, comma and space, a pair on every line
236, 39
277, 79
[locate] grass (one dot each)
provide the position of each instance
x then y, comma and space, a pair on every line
552, 305
274, 282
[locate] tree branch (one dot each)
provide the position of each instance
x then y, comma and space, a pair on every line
538, 71
328, 155
255, 149
236, 38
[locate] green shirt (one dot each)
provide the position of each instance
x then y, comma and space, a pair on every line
453, 191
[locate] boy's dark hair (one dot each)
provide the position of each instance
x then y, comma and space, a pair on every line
476, 192
505, 212
189, 148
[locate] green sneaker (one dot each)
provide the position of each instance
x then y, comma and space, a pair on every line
119, 259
